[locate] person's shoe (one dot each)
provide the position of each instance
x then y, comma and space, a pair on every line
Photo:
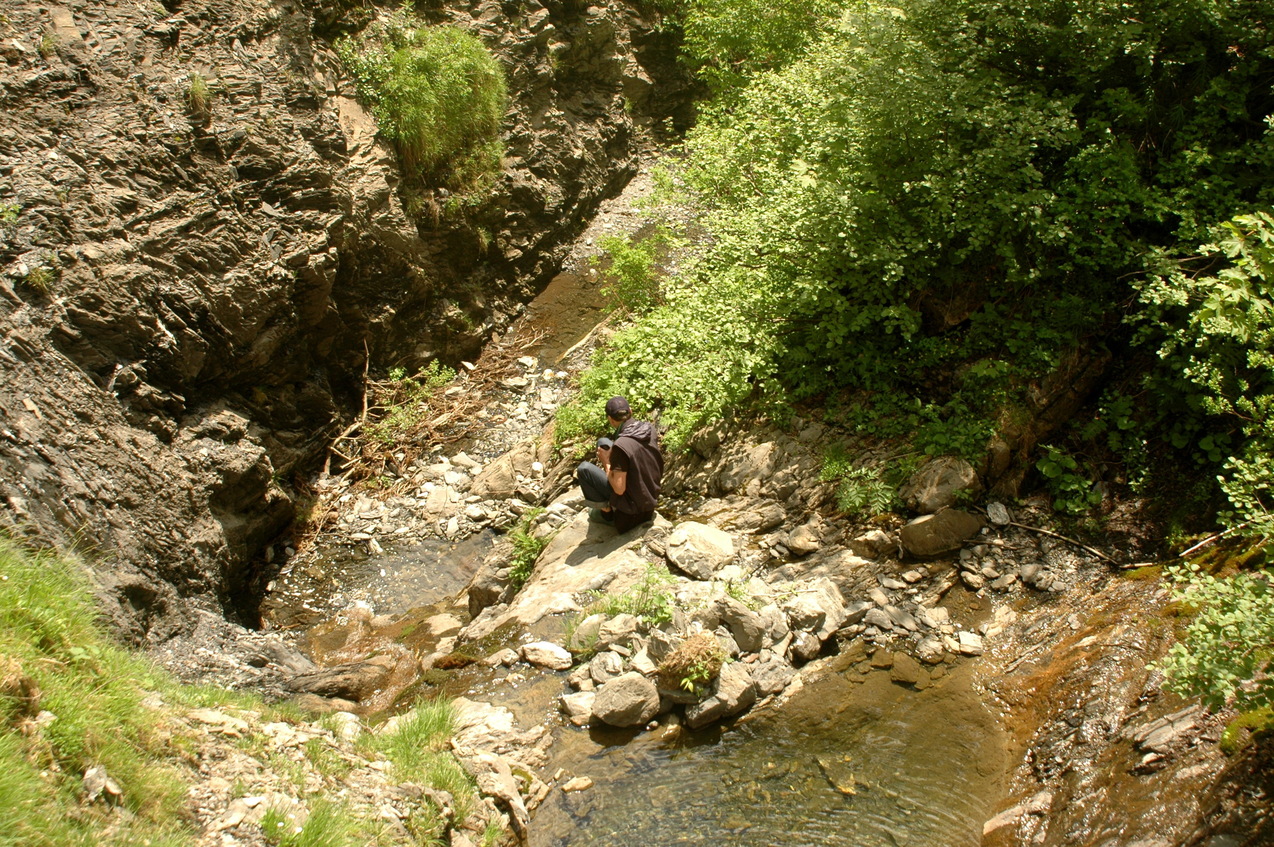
601, 516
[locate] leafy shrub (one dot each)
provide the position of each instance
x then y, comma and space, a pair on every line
1072, 491
860, 491
630, 272
437, 94
1226, 651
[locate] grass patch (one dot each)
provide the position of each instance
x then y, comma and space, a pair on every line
57, 661
418, 750
437, 93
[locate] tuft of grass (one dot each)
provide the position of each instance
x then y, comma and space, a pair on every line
40, 278
418, 750
650, 600
48, 45
329, 824
198, 96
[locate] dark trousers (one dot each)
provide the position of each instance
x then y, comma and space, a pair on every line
593, 482
596, 488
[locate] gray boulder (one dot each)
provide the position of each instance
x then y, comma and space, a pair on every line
936, 485
735, 692
627, 700
932, 535
746, 626
699, 550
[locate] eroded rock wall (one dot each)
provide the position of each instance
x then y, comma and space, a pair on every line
190, 295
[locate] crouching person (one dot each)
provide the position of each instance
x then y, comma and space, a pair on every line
628, 472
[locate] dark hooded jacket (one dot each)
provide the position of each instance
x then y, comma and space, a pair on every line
639, 455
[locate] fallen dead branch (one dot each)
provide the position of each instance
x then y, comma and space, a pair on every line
1099, 554
403, 419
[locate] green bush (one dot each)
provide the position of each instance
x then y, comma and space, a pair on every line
526, 549
437, 94
1226, 651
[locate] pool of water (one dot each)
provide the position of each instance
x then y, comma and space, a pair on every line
852, 759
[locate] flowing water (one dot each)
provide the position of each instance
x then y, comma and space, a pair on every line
851, 760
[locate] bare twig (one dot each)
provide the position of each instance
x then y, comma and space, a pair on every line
1099, 554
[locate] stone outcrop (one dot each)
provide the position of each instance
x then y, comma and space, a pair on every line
190, 293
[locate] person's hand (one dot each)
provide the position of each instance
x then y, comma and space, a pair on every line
603, 456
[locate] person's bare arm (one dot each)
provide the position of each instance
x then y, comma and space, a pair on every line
618, 479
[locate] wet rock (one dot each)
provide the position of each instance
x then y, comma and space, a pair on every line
1160, 735
907, 671
579, 706
350, 681
627, 700
1039, 804
936, 485
699, 550
734, 692
970, 643
939, 533
771, 675
546, 654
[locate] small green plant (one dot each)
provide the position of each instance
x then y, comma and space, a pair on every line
650, 600
9, 213
198, 96
860, 491
693, 664
1073, 493
403, 401
49, 43
40, 278
526, 549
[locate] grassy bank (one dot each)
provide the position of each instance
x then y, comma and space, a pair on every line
98, 746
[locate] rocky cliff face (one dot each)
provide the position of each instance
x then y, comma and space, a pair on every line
190, 294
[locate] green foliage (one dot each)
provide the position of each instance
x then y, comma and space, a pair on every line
9, 213
1225, 653
53, 649
198, 96
630, 271
49, 43
526, 549
860, 491
1073, 493
693, 664
650, 600
329, 824
40, 278
404, 402
730, 41
437, 94
1214, 332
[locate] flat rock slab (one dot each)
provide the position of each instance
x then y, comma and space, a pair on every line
583, 556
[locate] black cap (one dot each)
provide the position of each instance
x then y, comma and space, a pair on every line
617, 408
